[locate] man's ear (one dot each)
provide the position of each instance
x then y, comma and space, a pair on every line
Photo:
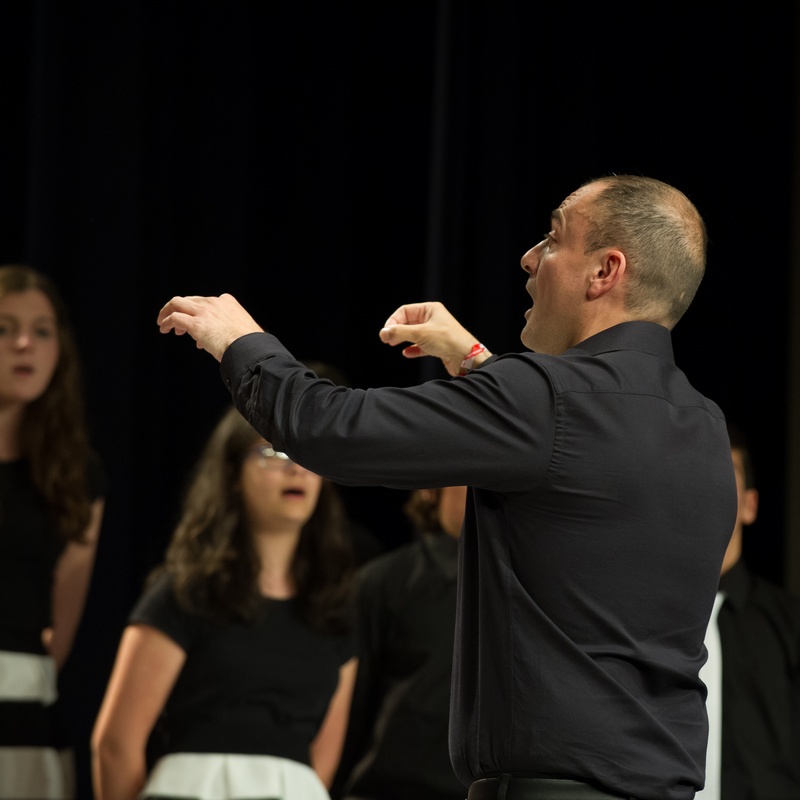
606, 274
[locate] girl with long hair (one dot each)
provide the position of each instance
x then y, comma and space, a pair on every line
52, 488
234, 675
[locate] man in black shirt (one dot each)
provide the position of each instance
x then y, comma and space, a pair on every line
601, 495
759, 632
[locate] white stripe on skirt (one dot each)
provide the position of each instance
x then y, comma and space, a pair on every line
36, 773
25, 676
32, 773
218, 776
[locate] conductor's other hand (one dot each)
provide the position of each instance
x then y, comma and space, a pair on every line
432, 331
213, 322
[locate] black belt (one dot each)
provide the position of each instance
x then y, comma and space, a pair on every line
508, 787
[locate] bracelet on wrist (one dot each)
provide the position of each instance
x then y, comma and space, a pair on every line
466, 364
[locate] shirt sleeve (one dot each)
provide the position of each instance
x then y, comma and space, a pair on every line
492, 429
158, 607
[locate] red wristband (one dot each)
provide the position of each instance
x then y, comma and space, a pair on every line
466, 364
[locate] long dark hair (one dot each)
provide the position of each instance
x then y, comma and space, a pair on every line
211, 557
53, 435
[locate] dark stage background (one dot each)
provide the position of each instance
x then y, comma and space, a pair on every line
326, 162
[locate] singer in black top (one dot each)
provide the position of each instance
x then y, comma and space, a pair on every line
601, 493
406, 610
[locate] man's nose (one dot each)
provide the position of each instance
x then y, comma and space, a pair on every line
530, 261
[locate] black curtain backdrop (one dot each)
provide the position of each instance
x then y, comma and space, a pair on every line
326, 162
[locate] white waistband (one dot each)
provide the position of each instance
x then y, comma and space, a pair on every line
25, 676
36, 773
217, 776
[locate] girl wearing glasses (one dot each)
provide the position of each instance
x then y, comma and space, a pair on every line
51, 505
234, 675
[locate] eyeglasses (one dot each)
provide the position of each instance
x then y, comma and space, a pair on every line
269, 458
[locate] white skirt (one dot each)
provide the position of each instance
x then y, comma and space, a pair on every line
32, 771
217, 776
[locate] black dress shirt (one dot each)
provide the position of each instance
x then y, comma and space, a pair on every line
601, 501
396, 745
759, 626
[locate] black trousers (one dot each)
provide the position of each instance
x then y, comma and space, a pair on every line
508, 787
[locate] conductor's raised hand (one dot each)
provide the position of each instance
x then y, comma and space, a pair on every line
432, 331
213, 322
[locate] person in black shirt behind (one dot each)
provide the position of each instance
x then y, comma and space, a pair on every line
601, 495
401, 702
759, 630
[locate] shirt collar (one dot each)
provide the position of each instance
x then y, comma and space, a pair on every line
645, 337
